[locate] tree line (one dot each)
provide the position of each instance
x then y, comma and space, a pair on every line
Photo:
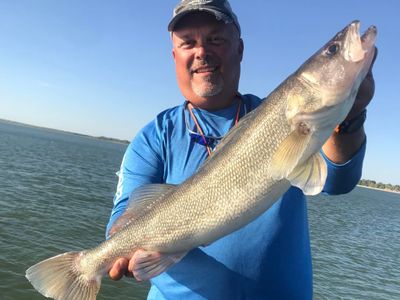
379, 185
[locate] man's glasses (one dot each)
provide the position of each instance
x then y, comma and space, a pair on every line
199, 137
204, 140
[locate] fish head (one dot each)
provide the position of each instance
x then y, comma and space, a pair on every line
329, 80
319, 95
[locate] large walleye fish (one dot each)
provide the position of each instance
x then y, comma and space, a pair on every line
273, 147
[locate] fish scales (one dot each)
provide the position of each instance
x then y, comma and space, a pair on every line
236, 177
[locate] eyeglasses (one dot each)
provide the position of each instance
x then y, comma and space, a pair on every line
199, 137
204, 140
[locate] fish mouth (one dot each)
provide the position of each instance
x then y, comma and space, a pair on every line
368, 39
356, 47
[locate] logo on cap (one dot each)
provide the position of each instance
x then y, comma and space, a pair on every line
200, 2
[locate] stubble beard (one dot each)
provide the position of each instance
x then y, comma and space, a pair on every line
208, 87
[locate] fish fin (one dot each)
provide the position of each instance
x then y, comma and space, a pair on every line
141, 200
59, 277
310, 177
288, 154
152, 191
148, 264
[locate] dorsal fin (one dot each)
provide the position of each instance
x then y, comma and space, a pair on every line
141, 200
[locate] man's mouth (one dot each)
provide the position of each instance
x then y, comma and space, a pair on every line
205, 70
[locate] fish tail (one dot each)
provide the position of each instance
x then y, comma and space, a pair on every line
60, 277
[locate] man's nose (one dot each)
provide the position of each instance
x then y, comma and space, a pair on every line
201, 51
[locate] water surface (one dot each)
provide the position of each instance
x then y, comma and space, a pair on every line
56, 193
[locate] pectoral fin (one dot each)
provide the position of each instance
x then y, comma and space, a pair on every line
288, 154
147, 264
310, 177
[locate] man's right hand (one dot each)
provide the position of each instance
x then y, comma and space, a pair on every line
133, 267
144, 265
119, 269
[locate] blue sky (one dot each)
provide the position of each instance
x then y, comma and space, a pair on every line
105, 68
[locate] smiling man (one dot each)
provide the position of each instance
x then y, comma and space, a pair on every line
269, 258
207, 57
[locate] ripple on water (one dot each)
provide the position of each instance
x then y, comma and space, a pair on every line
56, 195
354, 244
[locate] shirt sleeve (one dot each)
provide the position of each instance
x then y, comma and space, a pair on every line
141, 164
342, 178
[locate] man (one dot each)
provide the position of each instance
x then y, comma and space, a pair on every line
269, 258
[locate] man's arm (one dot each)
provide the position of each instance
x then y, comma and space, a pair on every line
141, 165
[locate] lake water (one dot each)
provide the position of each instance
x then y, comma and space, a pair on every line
56, 194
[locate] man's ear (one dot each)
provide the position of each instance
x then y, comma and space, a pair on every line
241, 48
173, 47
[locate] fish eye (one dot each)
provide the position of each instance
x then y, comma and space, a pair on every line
332, 49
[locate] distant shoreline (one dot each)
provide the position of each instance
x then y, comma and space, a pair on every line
102, 138
374, 188
126, 142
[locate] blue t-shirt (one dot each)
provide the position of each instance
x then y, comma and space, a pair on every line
270, 258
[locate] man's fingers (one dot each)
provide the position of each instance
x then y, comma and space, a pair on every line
143, 265
118, 269
375, 55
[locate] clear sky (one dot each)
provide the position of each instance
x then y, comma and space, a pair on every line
105, 68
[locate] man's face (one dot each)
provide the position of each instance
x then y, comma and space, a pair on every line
207, 56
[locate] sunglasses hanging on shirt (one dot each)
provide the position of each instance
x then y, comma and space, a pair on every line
199, 137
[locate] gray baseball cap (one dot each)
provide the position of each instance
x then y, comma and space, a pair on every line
221, 9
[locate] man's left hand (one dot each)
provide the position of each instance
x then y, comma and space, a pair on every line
365, 92
339, 148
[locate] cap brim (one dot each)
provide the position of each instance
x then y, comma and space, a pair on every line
218, 15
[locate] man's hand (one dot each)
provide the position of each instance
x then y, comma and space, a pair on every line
144, 265
119, 269
129, 268
365, 92
339, 148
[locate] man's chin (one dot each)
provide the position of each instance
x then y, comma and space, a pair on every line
207, 90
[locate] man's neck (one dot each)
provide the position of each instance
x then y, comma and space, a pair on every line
215, 102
